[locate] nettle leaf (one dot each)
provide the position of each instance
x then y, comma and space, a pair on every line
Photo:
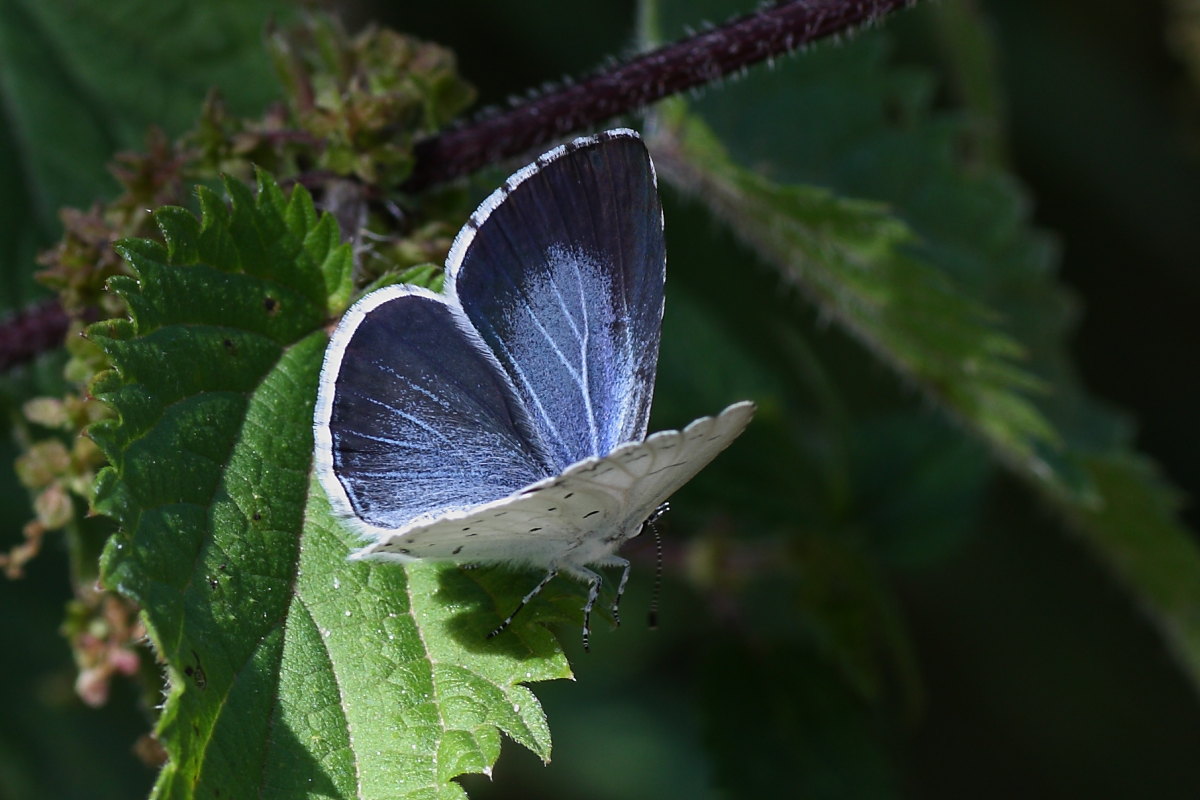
291, 672
942, 276
850, 257
1136, 530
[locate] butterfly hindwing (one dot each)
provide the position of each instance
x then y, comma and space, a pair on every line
580, 516
663, 463
561, 271
414, 416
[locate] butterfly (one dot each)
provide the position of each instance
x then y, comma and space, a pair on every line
505, 420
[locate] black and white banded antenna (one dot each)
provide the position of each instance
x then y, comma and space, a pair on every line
652, 614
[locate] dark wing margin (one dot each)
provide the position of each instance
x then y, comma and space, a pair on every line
414, 416
561, 271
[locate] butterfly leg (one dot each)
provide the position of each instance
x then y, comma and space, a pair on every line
623, 563
594, 582
524, 601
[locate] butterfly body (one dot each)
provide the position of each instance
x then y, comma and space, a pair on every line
505, 421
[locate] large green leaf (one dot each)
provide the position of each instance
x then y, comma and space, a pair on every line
940, 275
849, 256
291, 672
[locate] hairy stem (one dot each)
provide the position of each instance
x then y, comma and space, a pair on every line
676, 67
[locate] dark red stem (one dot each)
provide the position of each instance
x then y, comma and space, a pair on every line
30, 332
679, 66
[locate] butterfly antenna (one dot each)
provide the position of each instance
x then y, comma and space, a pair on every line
652, 616
525, 601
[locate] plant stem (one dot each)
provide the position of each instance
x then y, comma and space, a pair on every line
695, 61
31, 331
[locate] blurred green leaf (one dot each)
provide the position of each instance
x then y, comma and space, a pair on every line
790, 527
947, 283
1137, 532
289, 669
849, 257
800, 715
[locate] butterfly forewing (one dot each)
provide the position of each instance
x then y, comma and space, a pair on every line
561, 271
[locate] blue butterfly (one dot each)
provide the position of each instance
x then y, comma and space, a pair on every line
505, 421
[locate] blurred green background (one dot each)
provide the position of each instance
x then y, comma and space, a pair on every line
1038, 676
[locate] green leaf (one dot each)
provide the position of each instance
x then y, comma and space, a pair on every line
825, 734
850, 257
942, 277
1137, 532
291, 672
816, 484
